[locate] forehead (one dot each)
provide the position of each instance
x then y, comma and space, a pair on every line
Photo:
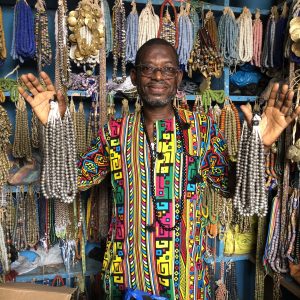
158, 54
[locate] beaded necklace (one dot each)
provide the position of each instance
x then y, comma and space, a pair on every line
43, 45
62, 63
80, 126
5, 132
108, 27
148, 24
168, 29
23, 42
3, 252
211, 26
3, 53
153, 156
250, 195
205, 57
58, 179
119, 42
31, 217
195, 21
257, 29
185, 40
21, 145
132, 34
228, 34
245, 37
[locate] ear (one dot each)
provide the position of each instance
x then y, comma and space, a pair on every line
179, 78
133, 76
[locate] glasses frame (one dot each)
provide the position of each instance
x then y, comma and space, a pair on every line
155, 69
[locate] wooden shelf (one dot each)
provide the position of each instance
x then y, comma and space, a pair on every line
50, 271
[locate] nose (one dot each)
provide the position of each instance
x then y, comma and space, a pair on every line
157, 74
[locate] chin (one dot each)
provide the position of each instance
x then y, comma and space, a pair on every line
158, 102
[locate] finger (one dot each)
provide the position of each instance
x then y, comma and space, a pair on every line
247, 113
281, 96
61, 103
35, 82
273, 95
293, 115
285, 108
47, 80
25, 95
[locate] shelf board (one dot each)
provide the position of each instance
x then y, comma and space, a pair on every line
206, 5
50, 271
218, 259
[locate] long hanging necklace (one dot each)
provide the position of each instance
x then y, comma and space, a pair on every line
168, 30
250, 195
228, 33
62, 63
211, 26
153, 156
5, 132
3, 52
58, 179
119, 42
148, 24
43, 45
22, 145
108, 27
185, 36
80, 129
132, 34
23, 41
257, 39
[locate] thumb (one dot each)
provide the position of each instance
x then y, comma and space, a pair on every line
246, 110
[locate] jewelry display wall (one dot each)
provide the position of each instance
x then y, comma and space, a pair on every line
219, 214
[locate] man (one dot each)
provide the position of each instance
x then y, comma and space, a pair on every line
159, 160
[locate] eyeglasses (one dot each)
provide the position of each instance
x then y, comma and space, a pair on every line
167, 72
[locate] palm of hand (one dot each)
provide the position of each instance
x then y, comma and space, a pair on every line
273, 123
41, 106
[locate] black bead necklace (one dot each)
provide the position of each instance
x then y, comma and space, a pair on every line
159, 155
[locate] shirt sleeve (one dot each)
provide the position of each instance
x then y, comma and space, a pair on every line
94, 165
215, 163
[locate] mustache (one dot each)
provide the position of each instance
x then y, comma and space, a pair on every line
158, 83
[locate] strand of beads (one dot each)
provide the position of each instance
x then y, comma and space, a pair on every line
250, 195
108, 28
185, 40
58, 179
3, 52
80, 129
22, 145
195, 22
62, 63
23, 42
148, 24
5, 132
132, 34
245, 37
168, 29
119, 42
228, 34
42, 41
31, 215
257, 29
212, 28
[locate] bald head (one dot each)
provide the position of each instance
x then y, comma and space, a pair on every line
152, 43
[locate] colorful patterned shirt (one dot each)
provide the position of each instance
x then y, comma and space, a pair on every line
165, 263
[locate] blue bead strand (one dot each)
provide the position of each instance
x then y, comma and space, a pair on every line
132, 36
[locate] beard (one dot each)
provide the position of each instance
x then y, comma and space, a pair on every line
158, 102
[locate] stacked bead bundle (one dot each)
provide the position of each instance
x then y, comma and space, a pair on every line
250, 196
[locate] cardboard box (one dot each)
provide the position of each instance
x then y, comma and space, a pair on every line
30, 291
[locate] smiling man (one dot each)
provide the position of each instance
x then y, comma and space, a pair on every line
160, 161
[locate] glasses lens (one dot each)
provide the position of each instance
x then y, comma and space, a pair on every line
167, 72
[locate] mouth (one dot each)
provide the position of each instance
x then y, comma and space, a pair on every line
157, 88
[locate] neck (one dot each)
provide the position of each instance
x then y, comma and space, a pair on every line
152, 114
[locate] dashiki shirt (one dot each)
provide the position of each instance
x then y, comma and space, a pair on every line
165, 263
